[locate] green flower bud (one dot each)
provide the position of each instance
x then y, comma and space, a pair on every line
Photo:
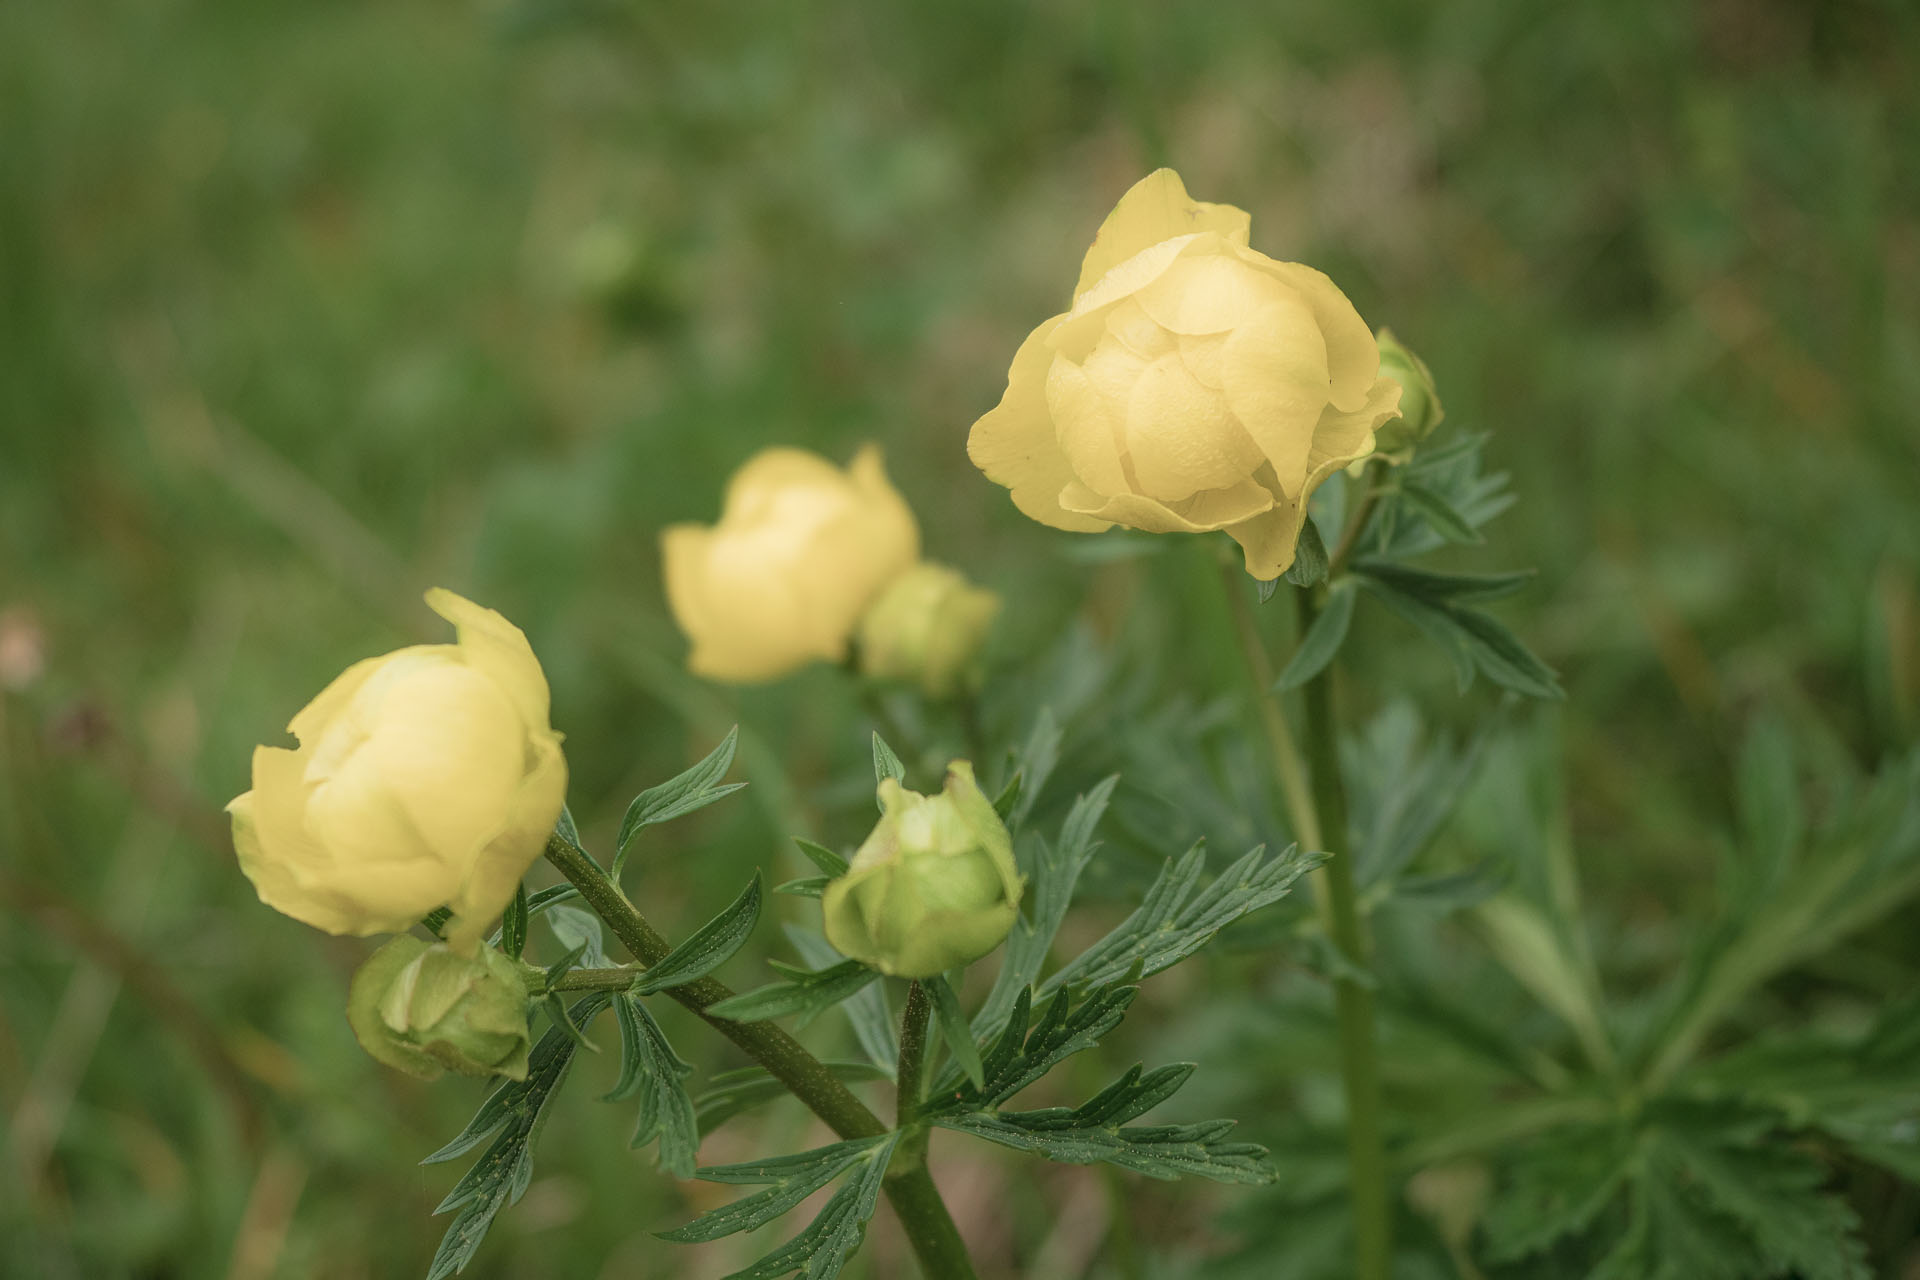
927, 628
1420, 410
934, 887
424, 1009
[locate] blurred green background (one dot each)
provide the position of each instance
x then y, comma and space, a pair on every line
305, 308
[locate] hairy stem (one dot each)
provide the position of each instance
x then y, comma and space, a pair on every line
929, 1227
912, 1068
1316, 805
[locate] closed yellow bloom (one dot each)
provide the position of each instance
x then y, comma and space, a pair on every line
427, 777
801, 550
1195, 384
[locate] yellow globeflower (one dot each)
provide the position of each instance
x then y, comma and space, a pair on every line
801, 550
1195, 384
426, 777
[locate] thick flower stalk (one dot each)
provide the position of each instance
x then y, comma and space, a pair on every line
1194, 384
427, 777
801, 549
933, 887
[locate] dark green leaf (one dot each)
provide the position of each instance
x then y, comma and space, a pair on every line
1473, 639
1309, 567
804, 887
1052, 869
1009, 797
1177, 918
823, 1248
1439, 514
711, 945
513, 925
867, 1010
807, 993
1263, 589
651, 1069
1450, 890
829, 862
694, 789
580, 932
556, 1010
885, 763
1035, 762
539, 903
1446, 588
953, 1025
1323, 638
789, 1179
516, 1113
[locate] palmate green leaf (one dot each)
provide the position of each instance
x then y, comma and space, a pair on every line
1323, 638
788, 1179
1439, 514
867, 1010
651, 1070
678, 796
822, 1249
1177, 917
710, 946
1475, 641
733, 1092
1558, 1187
1452, 474
806, 992
1771, 1195
1157, 1151
513, 1116
1019, 1056
1404, 788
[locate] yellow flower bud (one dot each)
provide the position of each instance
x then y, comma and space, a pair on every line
934, 887
927, 628
426, 1009
801, 550
423, 778
1194, 384
1420, 410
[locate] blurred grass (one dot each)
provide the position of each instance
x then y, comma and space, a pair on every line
304, 308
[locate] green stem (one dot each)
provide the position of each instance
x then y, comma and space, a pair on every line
1316, 805
616, 979
1357, 522
912, 1069
929, 1227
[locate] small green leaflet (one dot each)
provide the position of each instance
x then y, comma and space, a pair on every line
513, 925
516, 1112
537, 903
733, 1092
1323, 638
806, 992
867, 1010
1173, 921
823, 1247
1035, 762
695, 789
650, 1069
1310, 559
578, 931
804, 887
1018, 1057
953, 1025
1439, 514
829, 862
885, 763
712, 945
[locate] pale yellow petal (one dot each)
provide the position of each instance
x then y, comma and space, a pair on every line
514, 847
1353, 356
1274, 372
1084, 423
1214, 509
1181, 437
330, 702
1207, 293
775, 475
1270, 539
1015, 446
450, 747
492, 645
1155, 209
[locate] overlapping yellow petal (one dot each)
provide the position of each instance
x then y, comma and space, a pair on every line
1194, 384
428, 776
801, 549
